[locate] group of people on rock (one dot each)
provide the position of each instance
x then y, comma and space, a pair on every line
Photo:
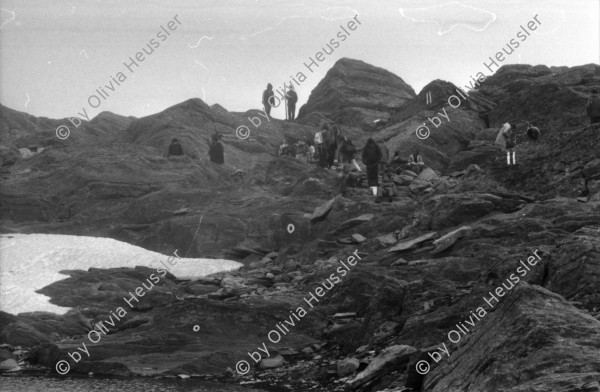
507, 139
329, 144
289, 96
216, 150
507, 136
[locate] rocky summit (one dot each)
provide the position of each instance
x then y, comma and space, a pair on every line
443, 293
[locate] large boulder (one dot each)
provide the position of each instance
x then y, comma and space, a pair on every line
355, 84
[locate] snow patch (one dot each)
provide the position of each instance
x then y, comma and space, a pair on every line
29, 262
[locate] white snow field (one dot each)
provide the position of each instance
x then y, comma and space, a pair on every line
29, 262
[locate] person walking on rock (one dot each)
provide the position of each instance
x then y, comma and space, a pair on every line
506, 140
291, 98
371, 157
216, 151
267, 98
175, 148
593, 107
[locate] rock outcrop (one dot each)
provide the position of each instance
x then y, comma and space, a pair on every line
354, 93
450, 236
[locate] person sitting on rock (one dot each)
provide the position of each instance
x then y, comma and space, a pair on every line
371, 157
216, 151
301, 149
385, 157
387, 189
415, 162
397, 163
349, 179
593, 107
175, 148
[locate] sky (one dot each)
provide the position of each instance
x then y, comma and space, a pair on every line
54, 54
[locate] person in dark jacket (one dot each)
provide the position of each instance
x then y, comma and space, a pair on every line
291, 98
533, 132
323, 147
347, 151
385, 157
593, 107
331, 150
267, 98
371, 156
175, 148
216, 151
337, 136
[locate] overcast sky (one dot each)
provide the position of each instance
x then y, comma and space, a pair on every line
54, 54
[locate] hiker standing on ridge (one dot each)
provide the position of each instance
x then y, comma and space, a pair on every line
267, 97
175, 148
216, 150
291, 99
371, 156
593, 107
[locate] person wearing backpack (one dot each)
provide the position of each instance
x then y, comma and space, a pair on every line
291, 98
388, 188
593, 107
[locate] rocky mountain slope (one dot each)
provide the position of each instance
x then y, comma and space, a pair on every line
428, 260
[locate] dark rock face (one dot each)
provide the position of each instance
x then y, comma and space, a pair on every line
355, 93
428, 258
538, 331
